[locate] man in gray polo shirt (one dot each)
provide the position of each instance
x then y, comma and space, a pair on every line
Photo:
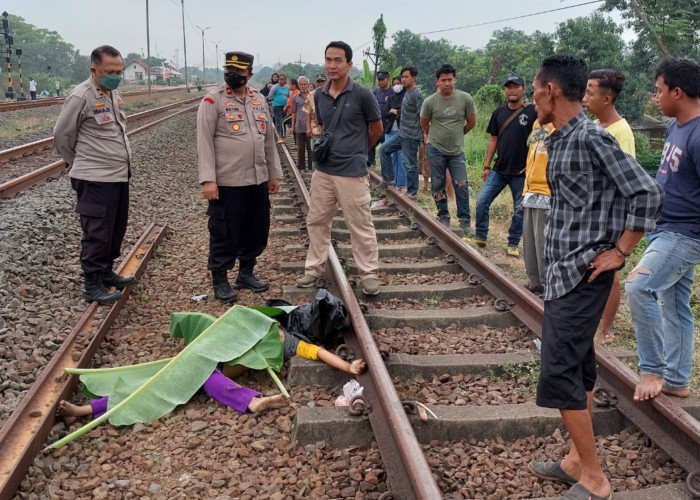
341, 178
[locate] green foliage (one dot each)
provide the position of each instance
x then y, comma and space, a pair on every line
426, 55
433, 299
42, 48
489, 97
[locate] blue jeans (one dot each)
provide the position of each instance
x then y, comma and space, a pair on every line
397, 162
495, 183
456, 165
409, 148
658, 294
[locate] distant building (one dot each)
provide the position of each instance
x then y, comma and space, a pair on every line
136, 70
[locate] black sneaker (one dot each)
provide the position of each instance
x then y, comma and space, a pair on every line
249, 281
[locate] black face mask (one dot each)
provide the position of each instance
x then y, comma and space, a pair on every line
234, 80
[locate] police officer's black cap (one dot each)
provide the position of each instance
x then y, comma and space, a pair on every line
239, 60
321, 78
514, 79
382, 74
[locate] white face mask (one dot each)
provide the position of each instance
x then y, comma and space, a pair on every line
397, 88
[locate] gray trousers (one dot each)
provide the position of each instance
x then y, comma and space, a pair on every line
533, 244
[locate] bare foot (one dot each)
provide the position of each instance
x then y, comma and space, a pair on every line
258, 405
679, 393
649, 387
70, 410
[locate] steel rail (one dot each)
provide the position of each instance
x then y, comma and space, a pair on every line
668, 425
23, 182
51, 101
23, 435
29, 148
407, 469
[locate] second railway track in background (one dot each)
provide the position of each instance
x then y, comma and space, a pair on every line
25, 165
440, 297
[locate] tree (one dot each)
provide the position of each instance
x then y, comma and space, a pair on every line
426, 55
42, 48
668, 26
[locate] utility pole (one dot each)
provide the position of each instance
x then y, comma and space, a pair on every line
148, 49
184, 43
10, 93
22, 97
203, 67
216, 44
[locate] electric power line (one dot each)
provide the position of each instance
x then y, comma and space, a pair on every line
496, 21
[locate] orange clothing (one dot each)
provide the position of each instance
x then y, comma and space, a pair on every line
288, 107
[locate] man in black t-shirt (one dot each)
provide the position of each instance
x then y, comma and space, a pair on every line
510, 126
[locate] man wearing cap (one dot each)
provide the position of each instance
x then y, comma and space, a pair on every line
510, 126
381, 94
90, 136
239, 169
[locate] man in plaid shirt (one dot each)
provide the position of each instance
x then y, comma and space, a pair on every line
602, 203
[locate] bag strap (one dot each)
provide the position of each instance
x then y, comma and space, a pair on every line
336, 115
510, 119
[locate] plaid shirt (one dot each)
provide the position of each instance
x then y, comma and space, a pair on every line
598, 191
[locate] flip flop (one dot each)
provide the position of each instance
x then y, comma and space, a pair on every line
550, 471
579, 492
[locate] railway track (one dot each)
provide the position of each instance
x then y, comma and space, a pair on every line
23, 172
669, 426
49, 101
430, 304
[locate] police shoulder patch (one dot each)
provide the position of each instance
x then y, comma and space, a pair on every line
209, 100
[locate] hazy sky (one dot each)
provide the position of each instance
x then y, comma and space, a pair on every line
279, 31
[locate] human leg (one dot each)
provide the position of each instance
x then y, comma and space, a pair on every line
318, 222
438, 164
605, 335
354, 197
390, 146
515, 232
495, 183
301, 151
399, 170
457, 169
409, 147
568, 373
278, 115
254, 228
664, 264
530, 248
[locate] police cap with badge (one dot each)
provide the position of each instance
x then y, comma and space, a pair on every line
382, 74
239, 60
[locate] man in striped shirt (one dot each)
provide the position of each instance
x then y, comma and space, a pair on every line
602, 202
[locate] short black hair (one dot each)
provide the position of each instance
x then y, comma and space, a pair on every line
610, 79
411, 69
445, 69
96, 56
281, 75
294, 82
569, 71
680, 73
340, 45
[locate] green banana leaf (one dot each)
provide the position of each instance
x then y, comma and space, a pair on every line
273, 311
102, 381
188, 325
229, 337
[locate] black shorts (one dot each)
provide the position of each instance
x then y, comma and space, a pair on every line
568, 367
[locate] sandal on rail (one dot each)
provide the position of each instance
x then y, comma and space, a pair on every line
534, 288
604, 338
579, 492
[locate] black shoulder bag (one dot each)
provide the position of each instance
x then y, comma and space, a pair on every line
323, 144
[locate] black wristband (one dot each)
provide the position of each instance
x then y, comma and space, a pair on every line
617, 247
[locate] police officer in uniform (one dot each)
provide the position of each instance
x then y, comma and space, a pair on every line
90, 136
239, 169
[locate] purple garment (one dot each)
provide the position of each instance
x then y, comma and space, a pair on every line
218, 386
